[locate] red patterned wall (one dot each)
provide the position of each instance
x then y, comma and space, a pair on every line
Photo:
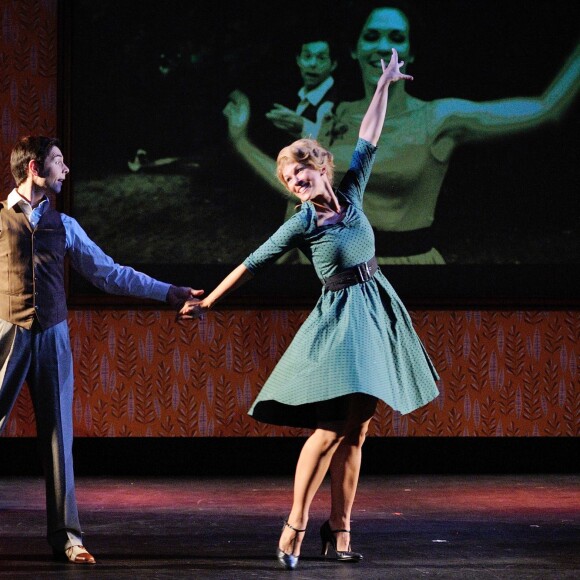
28, 69
138, 373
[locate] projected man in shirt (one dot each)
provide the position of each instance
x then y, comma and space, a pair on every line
316, 97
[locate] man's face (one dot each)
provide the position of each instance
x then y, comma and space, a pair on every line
385, 29
315, 63
54, 171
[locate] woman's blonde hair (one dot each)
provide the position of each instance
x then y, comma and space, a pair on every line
309, 152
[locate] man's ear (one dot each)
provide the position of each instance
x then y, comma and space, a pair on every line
33, 168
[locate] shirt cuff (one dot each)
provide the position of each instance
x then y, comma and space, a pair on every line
159, 291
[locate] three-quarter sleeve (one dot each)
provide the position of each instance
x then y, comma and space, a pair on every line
354, 182
288, 236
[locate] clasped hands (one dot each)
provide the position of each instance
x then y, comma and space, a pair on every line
185, 301
192, 309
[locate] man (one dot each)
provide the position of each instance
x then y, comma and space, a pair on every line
34, 338
317, 97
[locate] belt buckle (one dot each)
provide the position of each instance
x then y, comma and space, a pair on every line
364, 272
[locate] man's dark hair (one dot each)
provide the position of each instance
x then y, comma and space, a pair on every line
32, 147
310, 38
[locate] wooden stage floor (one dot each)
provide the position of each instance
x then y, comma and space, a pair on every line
408, 527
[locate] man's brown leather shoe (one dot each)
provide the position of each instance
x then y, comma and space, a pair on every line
76, 555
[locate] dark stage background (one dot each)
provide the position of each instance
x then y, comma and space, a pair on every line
156, 77
510, 377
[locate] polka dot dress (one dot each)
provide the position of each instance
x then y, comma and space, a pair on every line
357, 340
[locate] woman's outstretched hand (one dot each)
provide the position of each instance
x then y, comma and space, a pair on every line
391, 72
372, 123
192, 309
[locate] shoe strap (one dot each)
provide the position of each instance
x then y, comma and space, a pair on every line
295, 539
338, 532
293, 528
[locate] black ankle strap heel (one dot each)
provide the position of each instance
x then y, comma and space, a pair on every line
329, 541
289, 561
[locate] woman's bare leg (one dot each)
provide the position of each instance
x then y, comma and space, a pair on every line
312, 466
345, 466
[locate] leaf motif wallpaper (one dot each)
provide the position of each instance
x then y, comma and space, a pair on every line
140, 374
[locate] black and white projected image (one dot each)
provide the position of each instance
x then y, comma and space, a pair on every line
179, 109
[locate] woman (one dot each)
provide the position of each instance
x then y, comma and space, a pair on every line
358, 344
419, 137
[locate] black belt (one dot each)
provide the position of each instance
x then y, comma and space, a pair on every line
409, 243
356, 275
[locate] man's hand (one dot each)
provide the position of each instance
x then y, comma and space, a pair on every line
178, 295
286, 119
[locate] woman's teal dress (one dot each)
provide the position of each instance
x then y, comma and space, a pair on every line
356, 340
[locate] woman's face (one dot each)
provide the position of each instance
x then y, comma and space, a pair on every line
302, 180
385, 29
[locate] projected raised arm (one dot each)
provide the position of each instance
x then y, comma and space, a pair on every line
419, 137
237, 113
462, 120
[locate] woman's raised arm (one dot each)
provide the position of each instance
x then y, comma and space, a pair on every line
372, 123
